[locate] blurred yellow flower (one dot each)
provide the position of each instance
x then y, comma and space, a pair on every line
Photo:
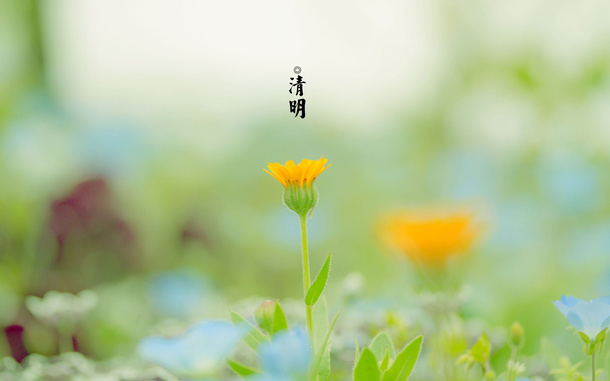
302, 174
428, 237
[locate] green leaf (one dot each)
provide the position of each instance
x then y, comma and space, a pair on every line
279, 319
254, 337
320, 318
357, 351
241, 369
481, 350
385, 361
380, 344
366, 369
315, 368
318, 285
405, 361
324, 370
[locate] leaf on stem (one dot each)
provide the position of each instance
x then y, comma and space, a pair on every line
279, 319
380, 344
254, 337
241, 369
318, 285
405, 361
321, 349
366, 369
385, 361
320, 318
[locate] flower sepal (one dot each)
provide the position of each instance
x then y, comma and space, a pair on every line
600, 339
593, 345
300, 193
301, 200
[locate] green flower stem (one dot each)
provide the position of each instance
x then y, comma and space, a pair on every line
306, 278
593, 366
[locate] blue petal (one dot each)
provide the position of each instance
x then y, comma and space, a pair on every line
570, 301
561, 307
605, 323
590, 317
201, 350
565, 304
603, 299
212, 338
288, 354
163, 352
575, 320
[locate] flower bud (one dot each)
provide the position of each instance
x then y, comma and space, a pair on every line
301, 199
264, 315
490, 375
516, 335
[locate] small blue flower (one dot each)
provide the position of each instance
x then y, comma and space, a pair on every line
286, 357
178, 294
590, 318
199, 352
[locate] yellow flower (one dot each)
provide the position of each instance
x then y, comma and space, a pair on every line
430, 238
300, 193
302, 174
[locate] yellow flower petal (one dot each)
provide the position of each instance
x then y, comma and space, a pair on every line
302, 174
430, 239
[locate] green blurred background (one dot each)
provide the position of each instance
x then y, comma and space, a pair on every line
133, 137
